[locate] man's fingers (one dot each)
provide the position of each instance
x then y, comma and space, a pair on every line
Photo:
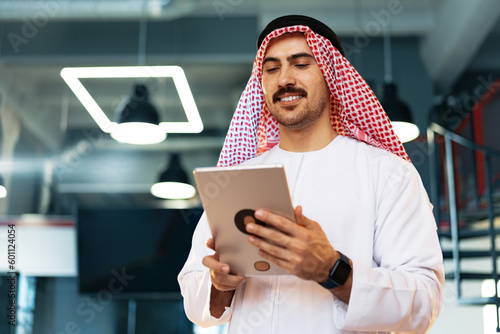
212, 262
279, 222
286, 225
277, 251
211, 244
219, 274
226, 282
227, 286
218, 268
270, 234
223, 287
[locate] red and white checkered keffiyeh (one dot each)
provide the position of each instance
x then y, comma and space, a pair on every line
355, 111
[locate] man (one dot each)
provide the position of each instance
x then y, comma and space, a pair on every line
364, 255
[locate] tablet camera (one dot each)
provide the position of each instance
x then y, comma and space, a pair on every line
262, 265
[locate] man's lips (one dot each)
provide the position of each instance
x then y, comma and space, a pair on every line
290, 100
288, 95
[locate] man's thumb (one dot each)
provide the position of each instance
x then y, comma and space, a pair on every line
298, 216
301, 219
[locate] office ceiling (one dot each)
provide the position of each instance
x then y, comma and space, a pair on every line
58, 146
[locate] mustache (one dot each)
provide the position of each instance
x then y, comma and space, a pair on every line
288, 90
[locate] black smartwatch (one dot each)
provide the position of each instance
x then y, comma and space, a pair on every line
339, 273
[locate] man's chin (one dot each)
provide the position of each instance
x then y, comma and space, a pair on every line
277, 108
289, 108
290, 123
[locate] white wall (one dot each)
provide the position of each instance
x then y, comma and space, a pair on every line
44, 246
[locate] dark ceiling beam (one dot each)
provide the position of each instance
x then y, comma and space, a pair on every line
169, 39
360, 19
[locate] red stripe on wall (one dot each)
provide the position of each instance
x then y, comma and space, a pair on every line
55, 223
477, 115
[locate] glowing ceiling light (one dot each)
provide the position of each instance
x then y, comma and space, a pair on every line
138, 133
405, 131
138, 120
72, 76
399, 114
173, 190
3, 192
173, 182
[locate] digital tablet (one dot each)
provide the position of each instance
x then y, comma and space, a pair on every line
230, 196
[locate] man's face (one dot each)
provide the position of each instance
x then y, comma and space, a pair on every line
295, 90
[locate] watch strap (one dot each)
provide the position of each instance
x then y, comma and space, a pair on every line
339, 273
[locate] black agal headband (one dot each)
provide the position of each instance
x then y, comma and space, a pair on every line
294, 20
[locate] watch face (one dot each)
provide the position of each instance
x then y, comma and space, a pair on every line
341, 272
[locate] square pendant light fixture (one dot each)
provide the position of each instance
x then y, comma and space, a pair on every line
72, 76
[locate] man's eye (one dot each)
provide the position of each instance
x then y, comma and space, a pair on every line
302, 65
271, 69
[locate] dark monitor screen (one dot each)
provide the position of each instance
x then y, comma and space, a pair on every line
133, 250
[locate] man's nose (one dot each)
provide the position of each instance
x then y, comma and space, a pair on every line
286, 77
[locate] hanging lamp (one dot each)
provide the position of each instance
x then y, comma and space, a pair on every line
398, 111
137, 119
173, 182
3, 190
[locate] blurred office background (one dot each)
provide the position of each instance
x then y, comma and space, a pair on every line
98, 253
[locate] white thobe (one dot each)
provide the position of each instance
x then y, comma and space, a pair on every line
373, 208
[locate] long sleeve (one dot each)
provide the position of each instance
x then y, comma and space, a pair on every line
194, 281
402, 291
372, 207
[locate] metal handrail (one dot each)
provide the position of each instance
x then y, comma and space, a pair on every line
439, 129
488, 152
